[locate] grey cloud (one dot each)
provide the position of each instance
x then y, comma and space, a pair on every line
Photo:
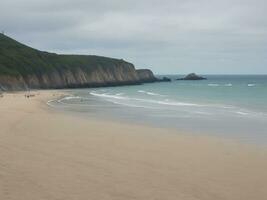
172, 36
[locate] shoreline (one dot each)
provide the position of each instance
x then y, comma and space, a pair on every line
48, 154
94, 110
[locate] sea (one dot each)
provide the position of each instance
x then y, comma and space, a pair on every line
227, 106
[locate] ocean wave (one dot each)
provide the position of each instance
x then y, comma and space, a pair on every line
165, 102
173, 103
216, 84
213, 84
251, 85
141, 91
242, 113
202, 113
55, 102
107, 95
228, 85
71, 97
68, 98
50, 103
131, 105
119, 98
149, 93
227, 107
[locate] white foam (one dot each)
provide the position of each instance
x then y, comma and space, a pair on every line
150, 93
108, 95
130, 105
228, 107
71, 97
49, 103
213, 84
242, 113
141, 91
153, 94
202, 113
68, 98
168, 103
175, 103
251, 85
59, 101
228, 85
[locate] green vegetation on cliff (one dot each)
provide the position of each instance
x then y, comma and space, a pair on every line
19, 59
22, 67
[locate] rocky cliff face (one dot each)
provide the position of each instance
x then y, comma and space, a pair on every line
146, 75
123, 74
22, 67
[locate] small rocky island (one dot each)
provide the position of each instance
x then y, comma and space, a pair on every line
164, 79
192, 77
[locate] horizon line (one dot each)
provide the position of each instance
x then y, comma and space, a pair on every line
234, 74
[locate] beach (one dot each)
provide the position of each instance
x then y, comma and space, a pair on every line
53, 155
226, 106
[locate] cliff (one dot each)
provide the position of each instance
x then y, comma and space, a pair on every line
146, 75
22, 67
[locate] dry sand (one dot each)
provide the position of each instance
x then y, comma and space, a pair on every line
49, 155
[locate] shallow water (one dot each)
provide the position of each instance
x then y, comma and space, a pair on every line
227, 106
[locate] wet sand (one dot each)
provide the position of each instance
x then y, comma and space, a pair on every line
47, 154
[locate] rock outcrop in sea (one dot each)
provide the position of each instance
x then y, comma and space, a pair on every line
192, 77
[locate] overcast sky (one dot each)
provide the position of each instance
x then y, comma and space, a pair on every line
167, 36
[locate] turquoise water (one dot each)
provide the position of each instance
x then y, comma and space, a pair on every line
226, 106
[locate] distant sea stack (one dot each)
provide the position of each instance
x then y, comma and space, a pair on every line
165, 79
22, 67
192, 77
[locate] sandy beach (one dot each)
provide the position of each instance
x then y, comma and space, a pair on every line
50, 155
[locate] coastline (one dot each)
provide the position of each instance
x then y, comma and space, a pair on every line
47, 154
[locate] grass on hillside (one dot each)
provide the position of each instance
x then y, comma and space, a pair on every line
19, 59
